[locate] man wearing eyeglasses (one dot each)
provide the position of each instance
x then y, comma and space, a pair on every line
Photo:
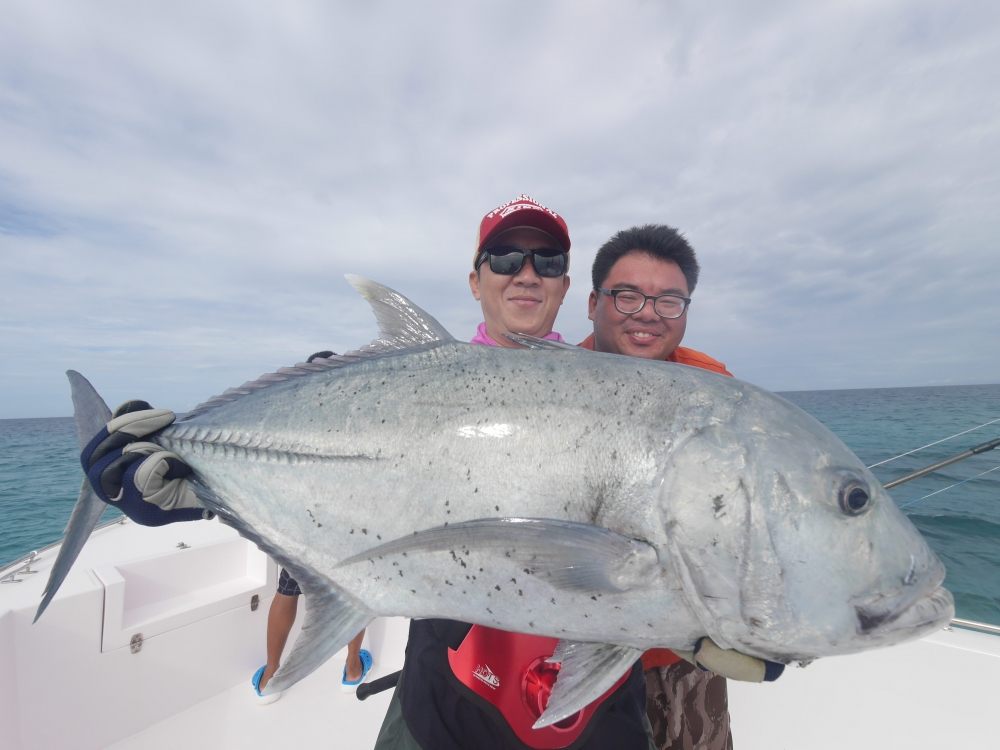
445, 699
643, 279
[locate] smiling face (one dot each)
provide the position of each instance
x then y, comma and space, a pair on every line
642, 334
522, 303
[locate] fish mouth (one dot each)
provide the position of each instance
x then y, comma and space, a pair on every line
928, 613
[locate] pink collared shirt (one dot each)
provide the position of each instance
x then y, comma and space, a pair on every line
485, 339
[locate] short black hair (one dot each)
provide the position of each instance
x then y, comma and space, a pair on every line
656, 240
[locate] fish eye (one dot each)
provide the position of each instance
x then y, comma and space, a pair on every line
854, 499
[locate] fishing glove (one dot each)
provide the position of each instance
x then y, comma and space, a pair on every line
145, 482
733, 665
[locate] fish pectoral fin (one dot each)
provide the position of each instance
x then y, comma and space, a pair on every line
331, 621
587, 671
534, 342
568, 555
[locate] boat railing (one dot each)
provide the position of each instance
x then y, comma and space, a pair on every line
981, 627
24, 568
23, 563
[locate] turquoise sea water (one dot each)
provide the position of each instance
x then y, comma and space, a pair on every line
40, 475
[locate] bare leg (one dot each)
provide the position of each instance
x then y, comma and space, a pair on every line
353, 662
280, 619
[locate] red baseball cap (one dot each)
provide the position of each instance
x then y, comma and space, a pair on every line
523, 211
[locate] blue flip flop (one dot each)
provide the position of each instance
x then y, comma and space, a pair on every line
349, 686
262, 700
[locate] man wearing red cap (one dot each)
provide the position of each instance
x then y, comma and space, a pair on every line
471, 687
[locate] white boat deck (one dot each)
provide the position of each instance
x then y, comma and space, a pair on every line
72, 681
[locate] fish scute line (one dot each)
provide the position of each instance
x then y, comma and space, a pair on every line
207, 442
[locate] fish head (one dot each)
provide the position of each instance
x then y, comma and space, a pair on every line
788, 548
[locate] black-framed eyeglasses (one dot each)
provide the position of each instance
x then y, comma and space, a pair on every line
629, 302
548, 262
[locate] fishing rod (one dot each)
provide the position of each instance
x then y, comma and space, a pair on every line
981, 448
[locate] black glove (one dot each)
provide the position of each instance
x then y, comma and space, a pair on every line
145, 482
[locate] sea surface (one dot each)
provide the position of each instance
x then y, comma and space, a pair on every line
957, 509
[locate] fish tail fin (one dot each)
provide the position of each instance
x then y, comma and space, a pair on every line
90, 414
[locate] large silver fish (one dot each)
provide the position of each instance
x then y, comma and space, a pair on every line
615, 503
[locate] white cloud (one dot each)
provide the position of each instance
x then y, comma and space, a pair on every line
182, 187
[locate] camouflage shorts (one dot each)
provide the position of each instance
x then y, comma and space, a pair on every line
687, 708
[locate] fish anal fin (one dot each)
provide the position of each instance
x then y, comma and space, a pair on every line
331, 621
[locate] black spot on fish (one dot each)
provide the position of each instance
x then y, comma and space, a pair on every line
717, 504
497, 587
364, 531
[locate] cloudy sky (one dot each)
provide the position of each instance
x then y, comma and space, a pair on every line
183, 185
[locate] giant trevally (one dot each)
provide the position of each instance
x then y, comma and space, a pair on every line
615, 503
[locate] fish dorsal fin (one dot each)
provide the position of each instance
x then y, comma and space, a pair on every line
402, 325
535, 342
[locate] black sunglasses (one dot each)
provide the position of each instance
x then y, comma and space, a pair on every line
548, 262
